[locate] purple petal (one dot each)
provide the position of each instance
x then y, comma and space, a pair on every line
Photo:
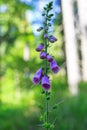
45, 83
40, 47
49, 58
43, 55
45, 35
52, 39
54, 67
36, 80
37, 77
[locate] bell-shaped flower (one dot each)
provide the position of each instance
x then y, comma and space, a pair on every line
45, 35
45, 83
49, 58
43, 55
54, 66
37, 77
52, 39
40, 47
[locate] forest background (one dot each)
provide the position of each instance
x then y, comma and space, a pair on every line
19, 98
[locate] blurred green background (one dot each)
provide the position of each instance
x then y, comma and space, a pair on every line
19, 98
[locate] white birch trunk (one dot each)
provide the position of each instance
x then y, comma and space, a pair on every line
82, 10
70, 46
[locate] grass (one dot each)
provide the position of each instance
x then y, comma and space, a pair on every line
71, 113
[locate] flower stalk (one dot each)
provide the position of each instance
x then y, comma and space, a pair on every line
46, 92
45, 67
42, 75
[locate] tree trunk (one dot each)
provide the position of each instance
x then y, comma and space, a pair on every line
73, 72
82, 12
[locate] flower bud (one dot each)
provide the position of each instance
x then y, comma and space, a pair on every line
49, 58
39, 29
46, 28
40, 47
49, 24
43, 55
50, 15
43, 14
45, 35
52, 39
54, 67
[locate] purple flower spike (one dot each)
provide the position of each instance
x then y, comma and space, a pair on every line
49, 58
45, 35
54, 67
52, 39
40, 47
45, 83
43, 55
37, 77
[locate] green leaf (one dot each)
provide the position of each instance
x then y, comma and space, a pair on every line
48, 19
43, 14
41, 118
50, 15
50, 4
46, 125
52, 127
49, 93
49, 24
43, 92
48, 98
45, 8
55, 106
40, 106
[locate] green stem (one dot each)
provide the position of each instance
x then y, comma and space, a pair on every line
46, 91
46, 108
46, 75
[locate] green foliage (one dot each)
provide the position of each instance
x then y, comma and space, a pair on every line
70, 114
13, 21
19, 99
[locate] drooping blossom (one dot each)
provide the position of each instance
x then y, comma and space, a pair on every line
54, 66
43, 55
45, 83
52, 39
45, 35
39, 29
40, 47
37, 77
49, 58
